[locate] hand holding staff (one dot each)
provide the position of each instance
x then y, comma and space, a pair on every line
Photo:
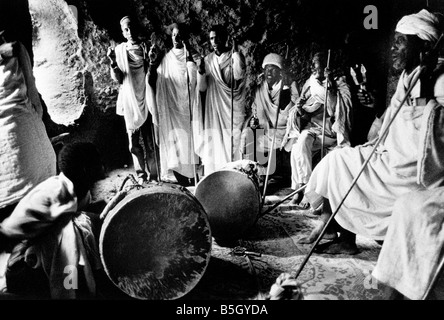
270, 153
327, 80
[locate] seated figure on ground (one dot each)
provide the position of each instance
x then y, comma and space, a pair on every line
407, 158
306, 121
51, 240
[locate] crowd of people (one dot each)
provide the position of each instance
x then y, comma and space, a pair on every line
190, 113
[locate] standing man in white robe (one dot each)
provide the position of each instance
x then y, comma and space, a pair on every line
406, 160
220, 74
129, 63
172, 88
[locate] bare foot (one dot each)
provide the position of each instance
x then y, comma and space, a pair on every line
304, 205
337, 246
296, 198
328, 235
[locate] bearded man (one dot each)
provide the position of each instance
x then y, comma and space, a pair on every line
408, 158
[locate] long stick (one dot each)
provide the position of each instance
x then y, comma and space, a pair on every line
232, 103
381, 136
325, 108
282, 200
154, 150
191, 115
274, 135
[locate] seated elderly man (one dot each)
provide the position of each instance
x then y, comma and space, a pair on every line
54, 250
408, 157
306, 122
272, 95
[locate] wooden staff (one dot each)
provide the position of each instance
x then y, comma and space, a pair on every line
153, 133
191, 114
325, 108
232, 101
274, 134
381, 136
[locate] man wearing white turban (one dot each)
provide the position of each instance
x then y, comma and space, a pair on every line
273, 94
409, 158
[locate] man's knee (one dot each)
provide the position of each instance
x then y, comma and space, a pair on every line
303, 143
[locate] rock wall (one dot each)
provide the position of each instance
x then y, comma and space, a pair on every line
72, 72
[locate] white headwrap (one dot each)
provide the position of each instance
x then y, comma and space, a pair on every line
273, 58
423, 24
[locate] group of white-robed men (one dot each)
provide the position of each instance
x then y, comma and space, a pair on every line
397, 197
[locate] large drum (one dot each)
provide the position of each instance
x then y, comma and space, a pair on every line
155, 244
231, 198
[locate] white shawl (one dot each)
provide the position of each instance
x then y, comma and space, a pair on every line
131, 102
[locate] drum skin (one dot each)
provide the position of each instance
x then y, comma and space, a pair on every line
231, 200
155, 244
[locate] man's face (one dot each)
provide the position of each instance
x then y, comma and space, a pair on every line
404, 53
217, 42
177, 38
272, 74
317, 69
128, 31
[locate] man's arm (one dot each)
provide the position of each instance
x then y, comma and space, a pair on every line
201, 75
239, 68
116, 73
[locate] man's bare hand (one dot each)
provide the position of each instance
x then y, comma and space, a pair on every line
8, 49
152, 54
201, 65
299, 103
366, 98
111, 54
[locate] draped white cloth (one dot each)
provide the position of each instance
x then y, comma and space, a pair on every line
213, 119
412, 250
264, 107
58, 235
131, 102
396, 168
26, 154
172, 104
422, 24
339, 109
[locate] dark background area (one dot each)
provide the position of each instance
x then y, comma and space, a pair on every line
299, 27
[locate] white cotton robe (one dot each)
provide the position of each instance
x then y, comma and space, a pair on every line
392, 171
176, 91
26, 154
131, 102
265, 106
412, 250
213, 120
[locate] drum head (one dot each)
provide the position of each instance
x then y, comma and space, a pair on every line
232, 202
156, 243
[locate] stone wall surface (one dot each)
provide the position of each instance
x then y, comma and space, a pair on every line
72, 70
